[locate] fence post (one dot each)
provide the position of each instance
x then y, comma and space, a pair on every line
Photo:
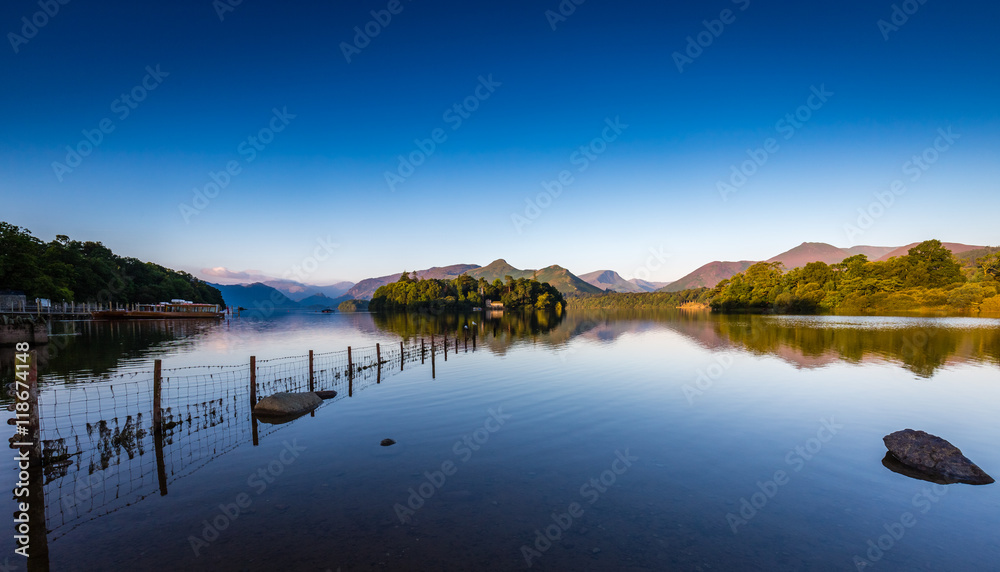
446, 347
378, 358
433, 374
35, 500
161, 469
421, 351
350, 373
312, 386
157, 390
402, 355
253, 382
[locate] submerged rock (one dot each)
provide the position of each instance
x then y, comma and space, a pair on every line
326, 394
287, 404
387, 442
934, 458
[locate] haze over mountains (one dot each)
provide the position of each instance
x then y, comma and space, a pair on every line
291, 295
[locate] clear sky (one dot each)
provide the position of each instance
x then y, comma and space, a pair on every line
818, 107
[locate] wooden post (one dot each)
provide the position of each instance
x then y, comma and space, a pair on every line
473, 340
378, 358
157, 390
421, 351
253, 382
312, 385
446, 347
161, 468
433, 375
35, 500
350, 373
402, 356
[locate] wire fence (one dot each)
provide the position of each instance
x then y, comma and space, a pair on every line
101, 450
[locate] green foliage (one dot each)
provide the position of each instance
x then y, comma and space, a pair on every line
927, 278
353, 306
69, 270
464, 293
640, 300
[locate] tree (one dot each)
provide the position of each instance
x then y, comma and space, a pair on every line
932, 266
990, 265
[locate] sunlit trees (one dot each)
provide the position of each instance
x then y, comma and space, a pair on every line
464, 293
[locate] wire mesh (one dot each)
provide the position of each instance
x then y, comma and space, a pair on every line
99, 448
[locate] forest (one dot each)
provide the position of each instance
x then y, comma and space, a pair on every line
928, 278
65, 270
464, 293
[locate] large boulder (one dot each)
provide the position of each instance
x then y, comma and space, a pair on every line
287, 404
934, 457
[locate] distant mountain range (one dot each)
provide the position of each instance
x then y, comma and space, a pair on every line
611, 280
291, 295
714, 272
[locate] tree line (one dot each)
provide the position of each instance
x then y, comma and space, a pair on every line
65, 270
465, 293
927, 278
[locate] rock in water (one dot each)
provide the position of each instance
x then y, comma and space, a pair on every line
934, 457
287, 404
387, 442
326, 394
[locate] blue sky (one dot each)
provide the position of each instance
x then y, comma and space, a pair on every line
266, 92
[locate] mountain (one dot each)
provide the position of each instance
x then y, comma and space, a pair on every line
365, 289
565, 281
610, 280
648, 286
954, 247
709, 275
253, 296
298, 291
497, 270
822, 252
320, 301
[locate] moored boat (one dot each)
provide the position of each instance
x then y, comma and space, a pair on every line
173, 310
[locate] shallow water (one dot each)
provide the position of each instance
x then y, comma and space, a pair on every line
750, 442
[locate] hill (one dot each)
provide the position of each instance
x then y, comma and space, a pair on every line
298, 291
709, 275
563, 280
364, 289
611, 280
955, 248
648, 286
254, 296
319, 302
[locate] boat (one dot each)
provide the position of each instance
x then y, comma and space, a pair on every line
173, 310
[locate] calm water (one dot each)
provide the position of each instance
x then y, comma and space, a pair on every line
663, 441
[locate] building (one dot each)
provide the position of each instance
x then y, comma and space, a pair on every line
12, 299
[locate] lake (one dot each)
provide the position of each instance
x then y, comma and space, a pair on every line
589, 441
